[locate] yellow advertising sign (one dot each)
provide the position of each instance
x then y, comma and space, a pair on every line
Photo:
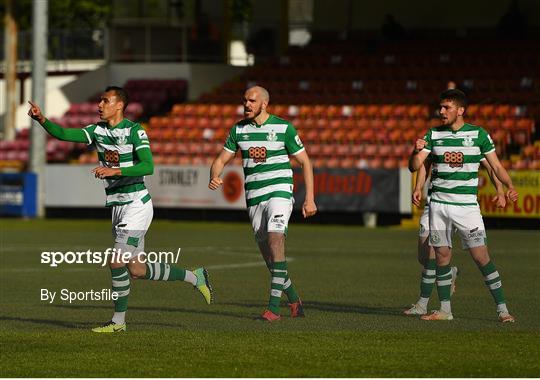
526, 182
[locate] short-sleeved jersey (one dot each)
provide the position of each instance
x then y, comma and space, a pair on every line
117, 148
265, 157
456, 157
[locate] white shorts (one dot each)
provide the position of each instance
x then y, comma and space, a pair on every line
424, 222
270, 216
130, 223
467, 220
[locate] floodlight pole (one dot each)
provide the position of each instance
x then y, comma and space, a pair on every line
38, 147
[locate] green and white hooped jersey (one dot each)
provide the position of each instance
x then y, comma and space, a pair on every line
265, 157
456, 157
116, 148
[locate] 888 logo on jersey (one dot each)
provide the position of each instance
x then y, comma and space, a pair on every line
257, 153
112, 158
454, 159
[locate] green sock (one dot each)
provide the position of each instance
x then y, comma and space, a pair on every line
493, 282
444, 283
120, 285
428, 278
279, 273
164, 272
290, 291
288, 287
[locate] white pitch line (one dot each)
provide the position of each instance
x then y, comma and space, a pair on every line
235, 266
244, 265
212, 267
24, 270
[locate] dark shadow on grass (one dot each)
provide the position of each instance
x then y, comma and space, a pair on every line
57, 323
161, 309
80, 325
336, 308
357, 309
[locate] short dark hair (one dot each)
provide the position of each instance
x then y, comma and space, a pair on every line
455, 95
121, 93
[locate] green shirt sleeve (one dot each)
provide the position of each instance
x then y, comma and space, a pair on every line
293, 144
141, 146
231, 144
139, 137
485, 142
65, 134
145, 166
89, 131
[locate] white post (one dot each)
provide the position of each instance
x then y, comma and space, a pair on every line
38, 148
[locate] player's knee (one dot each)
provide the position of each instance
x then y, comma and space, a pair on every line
276, 240
137, 272
480, 255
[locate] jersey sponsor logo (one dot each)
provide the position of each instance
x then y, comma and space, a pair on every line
298, 141
454, 159
112, 158
272, 136
467, 141
257, 153
142, 134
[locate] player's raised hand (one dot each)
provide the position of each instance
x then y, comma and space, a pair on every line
419, 144
309, 208
499, 200
512, 194
104, 172
215, 183
35, 113
417, 197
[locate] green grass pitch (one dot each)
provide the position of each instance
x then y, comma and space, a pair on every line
355, 283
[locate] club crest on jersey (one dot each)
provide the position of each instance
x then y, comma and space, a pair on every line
121, 140
468, 141
272, 136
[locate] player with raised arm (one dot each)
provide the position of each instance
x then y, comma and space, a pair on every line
266, 142
426, 253
125, 158
456, 149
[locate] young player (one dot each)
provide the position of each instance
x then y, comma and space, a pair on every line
426, 253
265, 142
456, 148
125, 158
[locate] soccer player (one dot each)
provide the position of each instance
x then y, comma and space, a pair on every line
125, 158
265, 142
456, 148
426, 253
